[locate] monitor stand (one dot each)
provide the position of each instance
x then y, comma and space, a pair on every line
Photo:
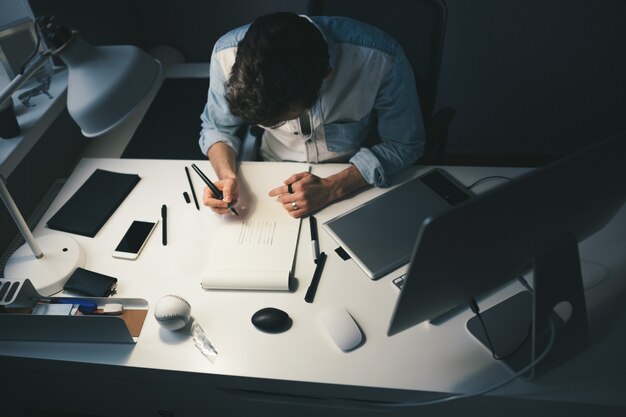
521, 324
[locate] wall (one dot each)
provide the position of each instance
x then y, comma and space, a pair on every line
529, 79
191, 26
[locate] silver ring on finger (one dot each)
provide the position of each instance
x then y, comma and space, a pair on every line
294, 206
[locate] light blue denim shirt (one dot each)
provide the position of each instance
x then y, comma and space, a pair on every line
370, 74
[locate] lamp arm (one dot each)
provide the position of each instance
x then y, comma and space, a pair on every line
16, 83
37, 62
19, 220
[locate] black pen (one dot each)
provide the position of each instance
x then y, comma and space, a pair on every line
310, 292
164, 223
314, 241
193, 192
218, 194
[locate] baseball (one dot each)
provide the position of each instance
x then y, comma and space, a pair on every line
172, 312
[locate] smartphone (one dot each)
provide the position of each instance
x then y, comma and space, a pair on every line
134, 239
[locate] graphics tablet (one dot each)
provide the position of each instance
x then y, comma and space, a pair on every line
379, 235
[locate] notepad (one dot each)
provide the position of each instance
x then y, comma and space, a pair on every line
245, 279
93, 203
255, 251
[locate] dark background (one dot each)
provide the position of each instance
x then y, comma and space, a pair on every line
529, 80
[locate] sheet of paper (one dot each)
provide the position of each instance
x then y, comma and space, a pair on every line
255, 250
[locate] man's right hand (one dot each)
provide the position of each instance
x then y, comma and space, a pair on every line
229, 188
222, 158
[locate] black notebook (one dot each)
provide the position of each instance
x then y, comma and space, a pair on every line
94, 202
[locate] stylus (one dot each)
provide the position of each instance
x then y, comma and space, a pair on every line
218, 194
310, 293
164, 223
193, 192
314, 242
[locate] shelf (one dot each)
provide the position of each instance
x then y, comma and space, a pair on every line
33, 121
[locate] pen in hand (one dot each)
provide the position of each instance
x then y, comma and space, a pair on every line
218, 194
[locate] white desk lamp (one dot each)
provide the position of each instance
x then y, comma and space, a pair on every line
105, 84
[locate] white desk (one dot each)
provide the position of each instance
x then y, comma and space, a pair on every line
442, 358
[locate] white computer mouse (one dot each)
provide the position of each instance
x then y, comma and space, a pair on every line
341, 327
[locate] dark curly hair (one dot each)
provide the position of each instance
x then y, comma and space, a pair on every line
279, 68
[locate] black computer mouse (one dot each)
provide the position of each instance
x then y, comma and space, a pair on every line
271, 320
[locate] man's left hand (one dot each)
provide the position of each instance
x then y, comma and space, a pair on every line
304, 193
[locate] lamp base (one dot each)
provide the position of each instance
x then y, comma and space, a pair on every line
62, 255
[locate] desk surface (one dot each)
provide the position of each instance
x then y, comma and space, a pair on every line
424, 358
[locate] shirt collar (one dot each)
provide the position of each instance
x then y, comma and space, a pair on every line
329, 41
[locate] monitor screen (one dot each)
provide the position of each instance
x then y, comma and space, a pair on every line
491, 239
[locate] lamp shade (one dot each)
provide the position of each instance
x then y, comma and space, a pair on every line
106, 83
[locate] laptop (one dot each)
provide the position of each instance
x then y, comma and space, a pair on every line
380, 234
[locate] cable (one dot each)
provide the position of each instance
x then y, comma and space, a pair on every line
476, 310
491, 177
473, 394
441, 400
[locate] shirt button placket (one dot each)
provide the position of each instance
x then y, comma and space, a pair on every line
311, 151
311, 145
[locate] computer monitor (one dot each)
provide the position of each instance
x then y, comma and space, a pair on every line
534, 221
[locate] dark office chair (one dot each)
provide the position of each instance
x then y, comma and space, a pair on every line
419, 26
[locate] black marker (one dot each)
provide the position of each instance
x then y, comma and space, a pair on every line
314, 241
193, 192
164, 223
218, 194
310, 293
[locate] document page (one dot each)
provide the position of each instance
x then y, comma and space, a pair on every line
255, 251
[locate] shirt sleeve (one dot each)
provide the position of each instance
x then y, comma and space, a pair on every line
400, 126
218, 123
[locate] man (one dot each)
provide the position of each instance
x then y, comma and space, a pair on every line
315, 85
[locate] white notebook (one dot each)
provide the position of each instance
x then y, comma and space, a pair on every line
255, 251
